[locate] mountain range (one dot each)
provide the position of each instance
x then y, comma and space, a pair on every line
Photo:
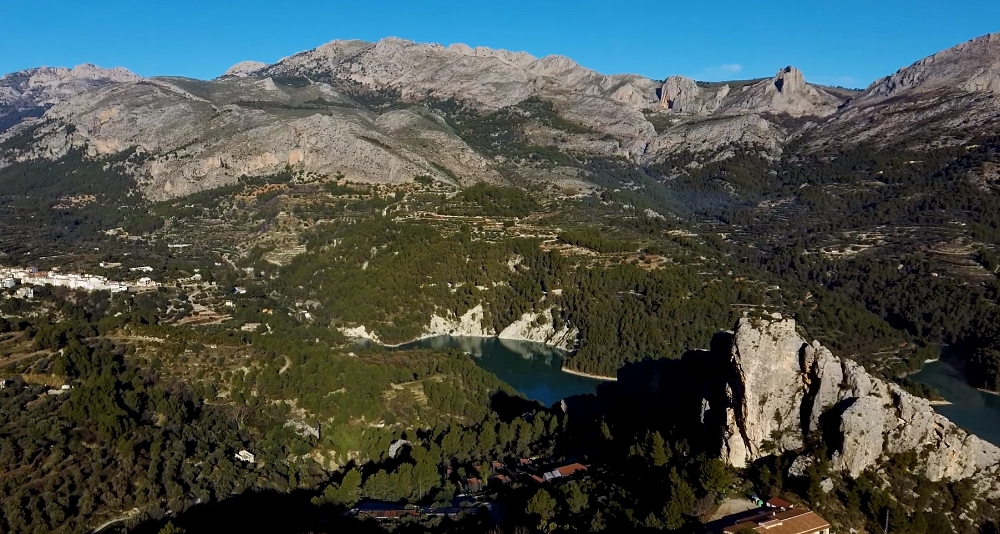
386, 112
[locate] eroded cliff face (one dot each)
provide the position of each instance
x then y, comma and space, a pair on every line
783, 388
533, 327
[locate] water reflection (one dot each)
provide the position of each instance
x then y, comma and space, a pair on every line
974, 410
534, 369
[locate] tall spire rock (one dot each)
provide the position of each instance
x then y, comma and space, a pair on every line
789, 80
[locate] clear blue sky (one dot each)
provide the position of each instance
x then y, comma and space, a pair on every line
849, 42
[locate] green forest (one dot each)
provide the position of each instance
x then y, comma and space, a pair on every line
888, 255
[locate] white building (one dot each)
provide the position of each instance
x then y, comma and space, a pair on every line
245, 456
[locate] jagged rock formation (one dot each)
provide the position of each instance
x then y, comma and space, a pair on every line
529, 327
787, 92
29, 92
46, 85
784, 389
682, 94
485, 77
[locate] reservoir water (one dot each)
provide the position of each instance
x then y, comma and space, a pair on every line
534, 369
974, 410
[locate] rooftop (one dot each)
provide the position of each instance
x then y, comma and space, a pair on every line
793, 521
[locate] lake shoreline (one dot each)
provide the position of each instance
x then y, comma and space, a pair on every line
971, 408
588, 375
498, 338
362, 335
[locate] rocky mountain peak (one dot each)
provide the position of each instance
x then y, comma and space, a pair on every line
787, 92
244, 69
679, 93
48, 85
783, 388
789, 80
973, 66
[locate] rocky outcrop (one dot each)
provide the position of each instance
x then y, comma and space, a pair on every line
973, 66
540, 328
533, 327
469, 324
786, 93
767, 393
243, 69
783, 389
30, 92
679, 94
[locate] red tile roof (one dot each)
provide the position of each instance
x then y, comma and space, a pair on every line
794, 521
567, 470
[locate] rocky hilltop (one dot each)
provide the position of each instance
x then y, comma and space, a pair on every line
787, 92
783, 389
30, 92
973, 66
944, 95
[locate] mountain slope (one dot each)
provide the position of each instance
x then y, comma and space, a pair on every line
943, 97
386, 112
28, 93
973, 67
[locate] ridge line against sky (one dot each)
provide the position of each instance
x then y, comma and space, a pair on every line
850, 44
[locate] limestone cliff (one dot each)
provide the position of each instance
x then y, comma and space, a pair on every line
534, 327
973, 66
783, 388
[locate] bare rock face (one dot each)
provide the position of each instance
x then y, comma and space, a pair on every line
766, 393
784, 388
490, 79
47, 85
244, 69
683, 95
30, 92
973, 66
787, 92
789, 80
166, 119
679, 93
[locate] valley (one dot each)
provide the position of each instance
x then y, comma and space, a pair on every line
690, 240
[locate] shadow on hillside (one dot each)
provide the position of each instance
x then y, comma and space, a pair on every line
263, 512
508, 407
684, 397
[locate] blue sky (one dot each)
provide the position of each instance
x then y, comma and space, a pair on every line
848, 43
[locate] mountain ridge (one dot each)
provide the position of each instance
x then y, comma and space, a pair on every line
316, 108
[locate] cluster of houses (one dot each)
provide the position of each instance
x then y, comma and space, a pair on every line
11, 277
778, 516
14, 276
